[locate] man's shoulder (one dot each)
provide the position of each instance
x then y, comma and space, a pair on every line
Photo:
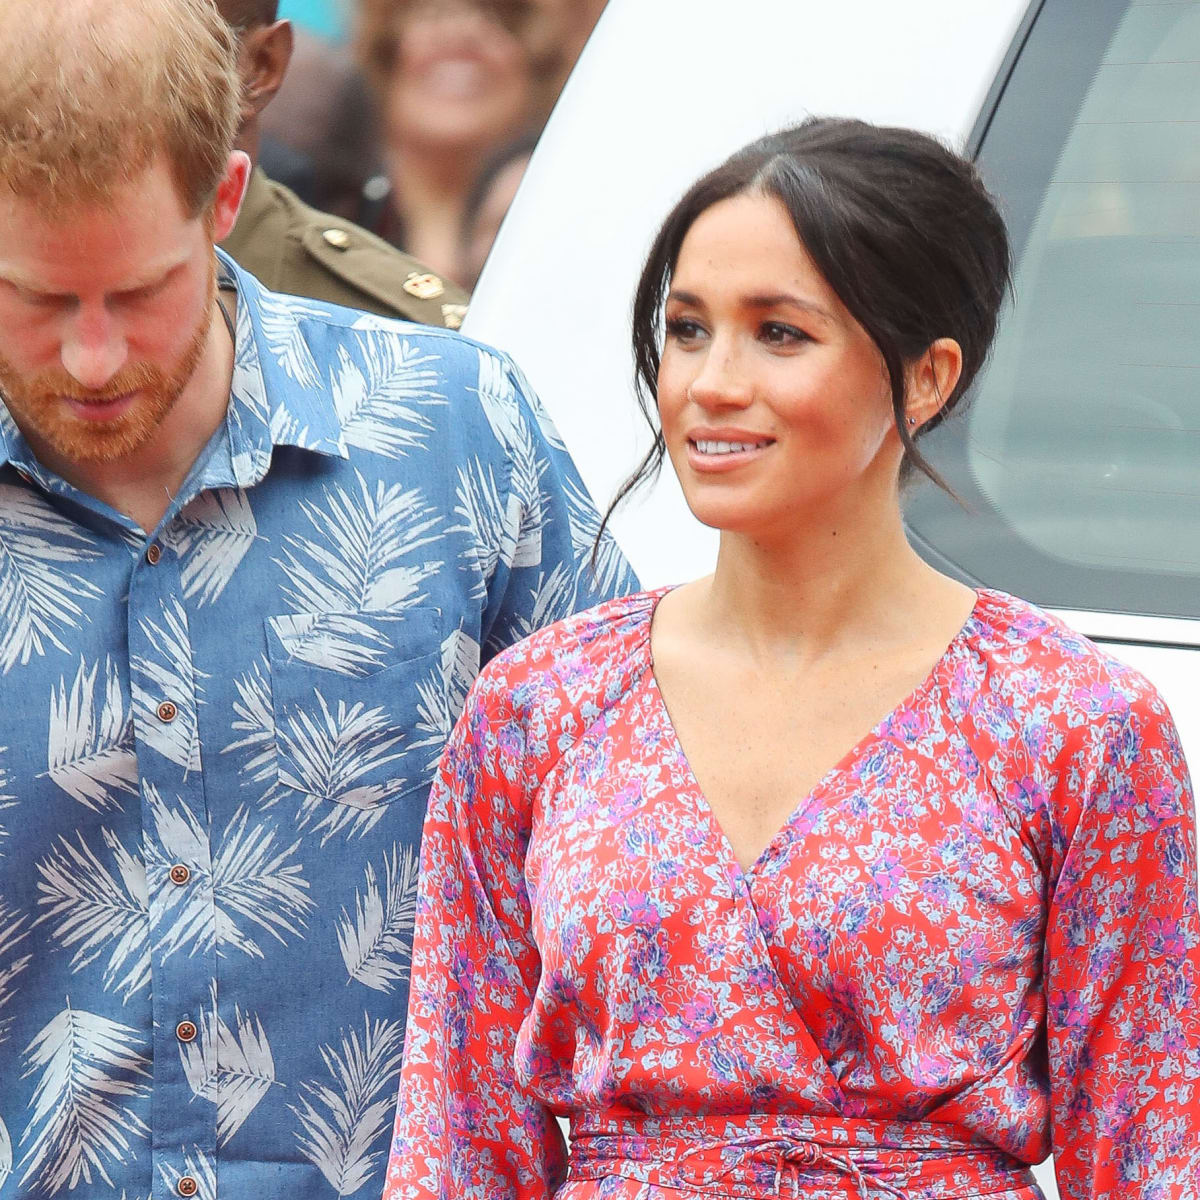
296, 249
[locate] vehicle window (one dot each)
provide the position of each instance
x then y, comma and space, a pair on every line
1079, 454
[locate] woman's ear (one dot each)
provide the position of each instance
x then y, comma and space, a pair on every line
932, 378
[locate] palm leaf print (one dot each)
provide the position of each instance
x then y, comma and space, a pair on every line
233, 1070
248, 385
610, 569
186, 918
91, 754
260, 883
255, 721
358, 560
498, 399
329, 753
6, 1154
39, 597
199, 1166
14, 930
344, 1118
484, 518
553, 597
525, 493
376, 943
341, 642
169, 674
441, 696
377, 402
79, 1128
212, 536
98, 912
285, 342
6, 801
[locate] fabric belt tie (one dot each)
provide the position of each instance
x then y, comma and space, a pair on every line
766, 1157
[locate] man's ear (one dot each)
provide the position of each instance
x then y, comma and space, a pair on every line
230, 191
264, 53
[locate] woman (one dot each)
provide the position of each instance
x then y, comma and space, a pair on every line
824, 876
453, 82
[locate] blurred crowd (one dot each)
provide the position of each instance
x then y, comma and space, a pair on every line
418, 123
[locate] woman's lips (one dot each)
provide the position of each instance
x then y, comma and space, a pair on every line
714, 455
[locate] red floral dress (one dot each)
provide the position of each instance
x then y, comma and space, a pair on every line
974, 942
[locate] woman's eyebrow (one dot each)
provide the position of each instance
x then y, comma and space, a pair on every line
760, 300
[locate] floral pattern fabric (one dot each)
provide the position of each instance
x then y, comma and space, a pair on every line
973, 943
216, 743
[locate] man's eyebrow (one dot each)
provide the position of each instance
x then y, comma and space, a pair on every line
761, 300
28, 283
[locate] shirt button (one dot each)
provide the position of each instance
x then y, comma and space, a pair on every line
180, 874
153, 554
187, 1186
186, 1031
167, 712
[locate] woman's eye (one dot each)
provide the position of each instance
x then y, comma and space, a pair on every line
775, 333
681, 329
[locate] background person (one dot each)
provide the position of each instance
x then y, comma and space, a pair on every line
290, 247
453, 82
824, 875
254, 549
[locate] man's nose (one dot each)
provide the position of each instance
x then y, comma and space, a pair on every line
94, 349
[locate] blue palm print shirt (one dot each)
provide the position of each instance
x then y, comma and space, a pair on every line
215, 747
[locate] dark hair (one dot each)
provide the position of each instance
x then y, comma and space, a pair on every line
901, 228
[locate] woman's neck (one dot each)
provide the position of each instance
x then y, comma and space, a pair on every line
824, 588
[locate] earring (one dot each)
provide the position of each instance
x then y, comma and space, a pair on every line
911, 422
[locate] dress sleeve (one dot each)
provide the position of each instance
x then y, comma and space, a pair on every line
546, 569
464, 1129
1122, 966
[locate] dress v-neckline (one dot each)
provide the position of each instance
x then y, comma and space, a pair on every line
804, 803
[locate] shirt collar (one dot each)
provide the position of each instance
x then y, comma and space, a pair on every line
280, 396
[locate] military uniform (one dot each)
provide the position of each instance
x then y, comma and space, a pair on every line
293, 248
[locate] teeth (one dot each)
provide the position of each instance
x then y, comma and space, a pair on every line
706, 447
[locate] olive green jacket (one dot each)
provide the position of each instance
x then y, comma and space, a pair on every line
292, 248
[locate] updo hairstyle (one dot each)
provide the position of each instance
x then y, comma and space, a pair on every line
901, 228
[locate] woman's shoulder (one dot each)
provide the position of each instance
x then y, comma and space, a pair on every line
1037, 655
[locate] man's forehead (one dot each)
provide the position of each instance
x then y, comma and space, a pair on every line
116, 245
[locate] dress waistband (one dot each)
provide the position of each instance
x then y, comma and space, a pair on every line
760, 1156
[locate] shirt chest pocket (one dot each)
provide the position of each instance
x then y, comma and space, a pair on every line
355, 699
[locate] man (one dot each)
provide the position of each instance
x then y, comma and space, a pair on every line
293, 248
252, 550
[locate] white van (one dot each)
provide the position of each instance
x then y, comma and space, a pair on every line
1079, 454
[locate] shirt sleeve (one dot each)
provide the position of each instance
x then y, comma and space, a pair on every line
550, 564
1122, 965
465, 1129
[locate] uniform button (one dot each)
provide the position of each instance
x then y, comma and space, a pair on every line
180, 874
339, 239
187, 1186
186, 1031
167, 712
153, 554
